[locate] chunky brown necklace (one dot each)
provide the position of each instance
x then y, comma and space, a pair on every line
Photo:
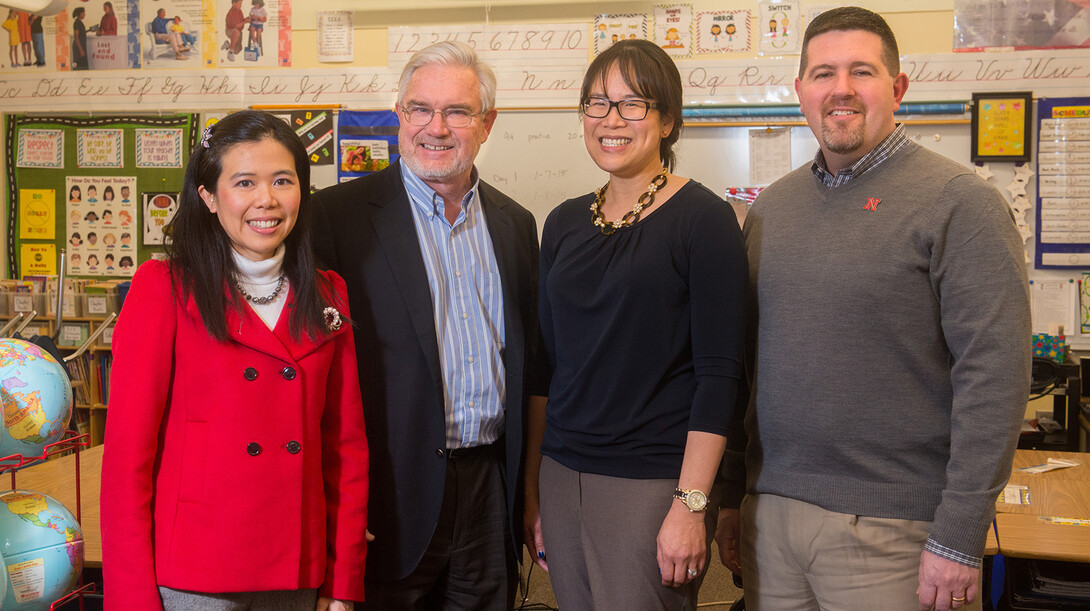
630, 217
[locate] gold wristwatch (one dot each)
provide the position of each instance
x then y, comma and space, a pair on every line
695, 500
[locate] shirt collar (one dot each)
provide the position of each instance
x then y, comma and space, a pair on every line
424, 197
886, 148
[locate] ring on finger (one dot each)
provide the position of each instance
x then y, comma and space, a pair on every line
693, 572
958, 599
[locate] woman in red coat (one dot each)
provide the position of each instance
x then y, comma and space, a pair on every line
107, 26
235, 466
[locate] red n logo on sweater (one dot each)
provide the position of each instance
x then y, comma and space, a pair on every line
872, 204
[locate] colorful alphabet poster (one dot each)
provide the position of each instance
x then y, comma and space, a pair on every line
611, 29
722, 31
37, 214
674, 29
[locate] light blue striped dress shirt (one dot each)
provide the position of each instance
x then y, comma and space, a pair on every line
467, 301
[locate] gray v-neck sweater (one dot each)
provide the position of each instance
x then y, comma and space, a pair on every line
893, 358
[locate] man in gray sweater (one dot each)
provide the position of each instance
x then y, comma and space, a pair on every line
891, 351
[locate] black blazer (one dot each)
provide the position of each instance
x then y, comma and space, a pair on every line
364, 231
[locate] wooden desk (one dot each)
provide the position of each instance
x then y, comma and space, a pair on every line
1031, 458
1026, 536
991, 545
1064, 493
57, 478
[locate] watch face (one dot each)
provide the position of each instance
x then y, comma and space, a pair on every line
696, 500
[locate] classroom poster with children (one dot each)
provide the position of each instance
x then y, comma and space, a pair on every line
611, 29
24, 39
674, 29
253, 33
173, 34
722, 31
101, 221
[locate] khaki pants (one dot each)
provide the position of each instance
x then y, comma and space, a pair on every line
800, 557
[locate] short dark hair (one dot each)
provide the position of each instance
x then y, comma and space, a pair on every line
650, 73
848, 18
78, 12
201, 263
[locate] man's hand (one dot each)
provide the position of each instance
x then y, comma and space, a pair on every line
945, 584
727, 536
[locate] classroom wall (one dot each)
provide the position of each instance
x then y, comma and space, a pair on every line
542, 172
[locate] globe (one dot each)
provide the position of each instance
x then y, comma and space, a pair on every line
36, 396
42, 545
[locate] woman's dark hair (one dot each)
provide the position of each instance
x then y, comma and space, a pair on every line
75, 189
200, 250
78, 12
108, 190
649, 73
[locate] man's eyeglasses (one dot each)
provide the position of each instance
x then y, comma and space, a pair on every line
630, 110
453, 117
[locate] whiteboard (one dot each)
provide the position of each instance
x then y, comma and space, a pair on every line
538, 158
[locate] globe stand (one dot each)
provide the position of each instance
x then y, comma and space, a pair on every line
69, 442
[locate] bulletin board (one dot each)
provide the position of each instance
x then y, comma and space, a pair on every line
60, 169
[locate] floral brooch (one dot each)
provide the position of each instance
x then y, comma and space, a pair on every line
332, 318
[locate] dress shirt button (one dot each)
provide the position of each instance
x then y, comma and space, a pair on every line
294, 447
470, 359
288, 373
440, 453
253, 448
471, 404
459, 274
250, 374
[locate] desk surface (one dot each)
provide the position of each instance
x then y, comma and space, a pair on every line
1030, 458
57, 479
1064, 493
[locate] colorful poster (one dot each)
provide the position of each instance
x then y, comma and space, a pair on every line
172, 34
37, 260
674, 29
722, 31
779, 27
609, 29
315, 129
37, 214
40, 148
254, 33
159, 210
366, 142
99, 148
101, 221
335, 36
159, 148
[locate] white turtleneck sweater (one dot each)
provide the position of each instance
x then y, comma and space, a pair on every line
259, 278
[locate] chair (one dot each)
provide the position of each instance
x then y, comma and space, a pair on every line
156, 48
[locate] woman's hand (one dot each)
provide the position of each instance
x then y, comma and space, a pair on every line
531, 532
681, 546
330, 604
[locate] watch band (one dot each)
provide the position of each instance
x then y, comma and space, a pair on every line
695, 500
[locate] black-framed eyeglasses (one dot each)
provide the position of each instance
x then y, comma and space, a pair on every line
629, 110
453, 117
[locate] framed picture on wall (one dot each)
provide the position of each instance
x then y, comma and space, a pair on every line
1001, 126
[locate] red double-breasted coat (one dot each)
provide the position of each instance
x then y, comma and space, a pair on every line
230, 466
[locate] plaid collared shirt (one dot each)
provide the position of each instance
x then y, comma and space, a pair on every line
885, 149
